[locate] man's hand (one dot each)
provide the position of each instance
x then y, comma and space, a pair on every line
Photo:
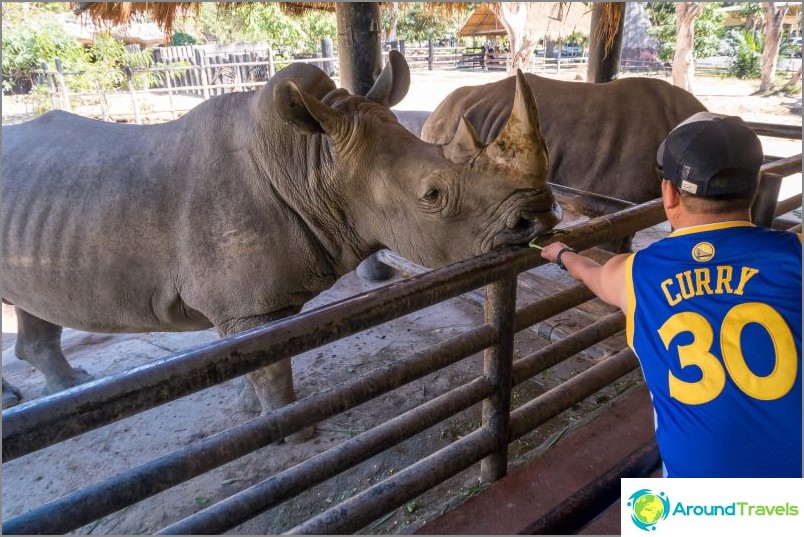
550, 252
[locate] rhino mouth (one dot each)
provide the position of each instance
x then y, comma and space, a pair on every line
524, 225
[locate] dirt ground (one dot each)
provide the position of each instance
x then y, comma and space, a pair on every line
49, 474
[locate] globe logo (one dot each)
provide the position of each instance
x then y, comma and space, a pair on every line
648, 508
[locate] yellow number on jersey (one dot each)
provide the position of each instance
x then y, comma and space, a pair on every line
697, 353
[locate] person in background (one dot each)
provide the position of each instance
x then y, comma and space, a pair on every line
713, 311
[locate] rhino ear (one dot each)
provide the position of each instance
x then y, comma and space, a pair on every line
393, 83
520, 145
303, 111
464, 145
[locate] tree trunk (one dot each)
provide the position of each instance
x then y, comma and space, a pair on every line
514, 15
773, 38
795, 79
393, 17
683, 62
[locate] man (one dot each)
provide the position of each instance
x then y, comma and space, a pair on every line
713, 311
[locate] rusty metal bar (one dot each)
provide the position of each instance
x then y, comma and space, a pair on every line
252, 501
552, 403
588, 203
788, 204
49, 420
84, 506
784, 166
777, 131
538, 361
360, 510
795, 229
497, 362
764, 206
554, 304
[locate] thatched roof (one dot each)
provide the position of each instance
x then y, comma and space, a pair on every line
552, 20
165, 13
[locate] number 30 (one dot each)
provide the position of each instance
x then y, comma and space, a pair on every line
697, 353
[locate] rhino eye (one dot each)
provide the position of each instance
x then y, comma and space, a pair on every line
432, 195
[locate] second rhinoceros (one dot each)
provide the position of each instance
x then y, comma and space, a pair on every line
244, 209
602, 138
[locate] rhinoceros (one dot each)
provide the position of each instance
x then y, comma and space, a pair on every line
245, 208
601, 138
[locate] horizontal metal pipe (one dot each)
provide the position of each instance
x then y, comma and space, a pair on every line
795, 229
788, 204
784, 166
84, 506
358, 511
552, 403
588, 203
545, 308
252, 501
44, 422
538, 361
792, 132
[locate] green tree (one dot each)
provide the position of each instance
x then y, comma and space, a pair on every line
418, 23
707, 26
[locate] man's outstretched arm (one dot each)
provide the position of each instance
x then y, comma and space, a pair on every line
607, 281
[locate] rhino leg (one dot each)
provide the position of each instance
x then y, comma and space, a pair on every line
39, 343
272, 385
11, 395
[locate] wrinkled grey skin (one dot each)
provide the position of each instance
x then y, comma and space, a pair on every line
601, 138
241, 211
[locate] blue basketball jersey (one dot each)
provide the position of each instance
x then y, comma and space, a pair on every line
714, 316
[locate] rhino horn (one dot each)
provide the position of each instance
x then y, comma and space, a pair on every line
465, 144
305, 112
393, 83
520, 146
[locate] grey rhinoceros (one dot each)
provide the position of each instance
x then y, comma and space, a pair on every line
244, 209
601, 138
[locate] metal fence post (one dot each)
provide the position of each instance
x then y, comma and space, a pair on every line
497, 366
430, 54
764, 207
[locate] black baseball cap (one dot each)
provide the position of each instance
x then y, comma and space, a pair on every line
710, 155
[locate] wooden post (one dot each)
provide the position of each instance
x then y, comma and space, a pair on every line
102, 102
359, 50
430, 53
169, 86
64, 96
133, 93
271, 66
201, 57
50, 89
326, 52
